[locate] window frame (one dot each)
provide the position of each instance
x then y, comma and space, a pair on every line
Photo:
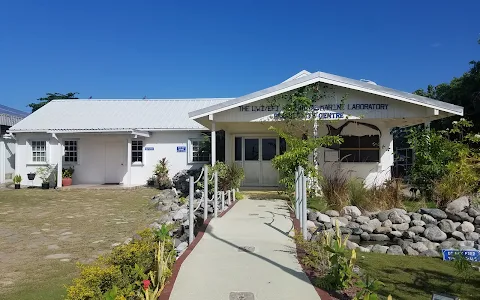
65, 151
142, 151
47, 152
191, 152
360, 149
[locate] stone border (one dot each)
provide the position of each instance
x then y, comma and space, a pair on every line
324, 295
167, 291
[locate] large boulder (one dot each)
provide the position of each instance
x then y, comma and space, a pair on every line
430, 253
341, 221
379, 249
408, 234
458, 235
417, 229
395, 217
416, 216
472, 236
374, 223
477, 220
379, 237
401, 227
434, 234
410, 251
467, 227
447, 226
458, 205
323, 218
312, 216
352, 211
428, 219
417, 223
395, 250
473, 212
364, 236
180, 180
382, 230
434, 212
366, 228
332, 213
419, 246
362, 220
387, 223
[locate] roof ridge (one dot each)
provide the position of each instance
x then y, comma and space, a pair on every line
145, 100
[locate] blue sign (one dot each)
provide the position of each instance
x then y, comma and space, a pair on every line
471, 255
181, 149
149, 148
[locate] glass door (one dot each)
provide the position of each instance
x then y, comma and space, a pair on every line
251, 159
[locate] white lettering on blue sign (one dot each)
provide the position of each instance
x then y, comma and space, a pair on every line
471, 255
149, 148
181, 148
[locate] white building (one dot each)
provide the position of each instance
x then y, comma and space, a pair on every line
120, 141
8, 117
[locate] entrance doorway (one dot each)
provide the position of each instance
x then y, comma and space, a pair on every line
254, 154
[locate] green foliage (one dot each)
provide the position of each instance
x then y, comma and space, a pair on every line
239, 196
45, 172
17, 179
444, 159
50, 97
182, 200
335, 189
313, 254
67, 172
298, 153
119, 275
369, 288
161, 173
463, 266
229, 176
340, 273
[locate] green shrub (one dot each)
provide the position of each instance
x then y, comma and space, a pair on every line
161, 173
312, 253
369, 289
229, 176
239, 196
358, 194
119, 275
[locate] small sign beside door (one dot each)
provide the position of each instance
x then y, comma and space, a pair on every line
149, 148
181, 149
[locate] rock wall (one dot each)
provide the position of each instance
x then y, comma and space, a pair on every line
397, 232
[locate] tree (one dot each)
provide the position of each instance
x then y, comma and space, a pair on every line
51, 96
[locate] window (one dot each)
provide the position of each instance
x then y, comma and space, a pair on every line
199, 151
137, 151
39, 151
71, 152
269, 149
238, 149
251, 149
360, 148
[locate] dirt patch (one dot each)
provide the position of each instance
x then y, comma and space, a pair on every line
44, 233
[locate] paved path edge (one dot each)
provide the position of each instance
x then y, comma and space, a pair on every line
324, 295
167, 291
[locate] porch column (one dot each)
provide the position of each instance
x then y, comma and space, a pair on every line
59, 163
129, 161
214, 144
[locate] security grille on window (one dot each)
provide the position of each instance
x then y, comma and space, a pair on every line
71, 151
360, 148
199, 153
137, 151
39, 151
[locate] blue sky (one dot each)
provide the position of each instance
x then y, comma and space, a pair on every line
181, 49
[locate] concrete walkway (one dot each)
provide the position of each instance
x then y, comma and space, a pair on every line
219, 266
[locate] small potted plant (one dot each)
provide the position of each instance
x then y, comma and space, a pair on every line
31, 176
44, 174
67, 176
17, 179
151, 181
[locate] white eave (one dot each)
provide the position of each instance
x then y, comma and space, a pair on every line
302, 79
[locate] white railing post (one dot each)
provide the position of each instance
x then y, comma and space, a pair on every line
223, 200
297, 198
229, 194
215, 195
191, 224
304, 204
233, 196
205, 193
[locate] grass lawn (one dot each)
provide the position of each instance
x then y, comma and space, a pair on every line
44, 233
413, 277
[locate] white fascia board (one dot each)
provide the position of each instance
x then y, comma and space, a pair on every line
141, 133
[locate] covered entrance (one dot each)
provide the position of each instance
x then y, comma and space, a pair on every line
255, 154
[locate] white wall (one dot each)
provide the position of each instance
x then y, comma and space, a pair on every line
7, 159
91, 167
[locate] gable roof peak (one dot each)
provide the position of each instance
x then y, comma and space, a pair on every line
298, 75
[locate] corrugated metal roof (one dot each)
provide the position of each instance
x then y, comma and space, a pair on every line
306, 79
111, 115
9, 120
